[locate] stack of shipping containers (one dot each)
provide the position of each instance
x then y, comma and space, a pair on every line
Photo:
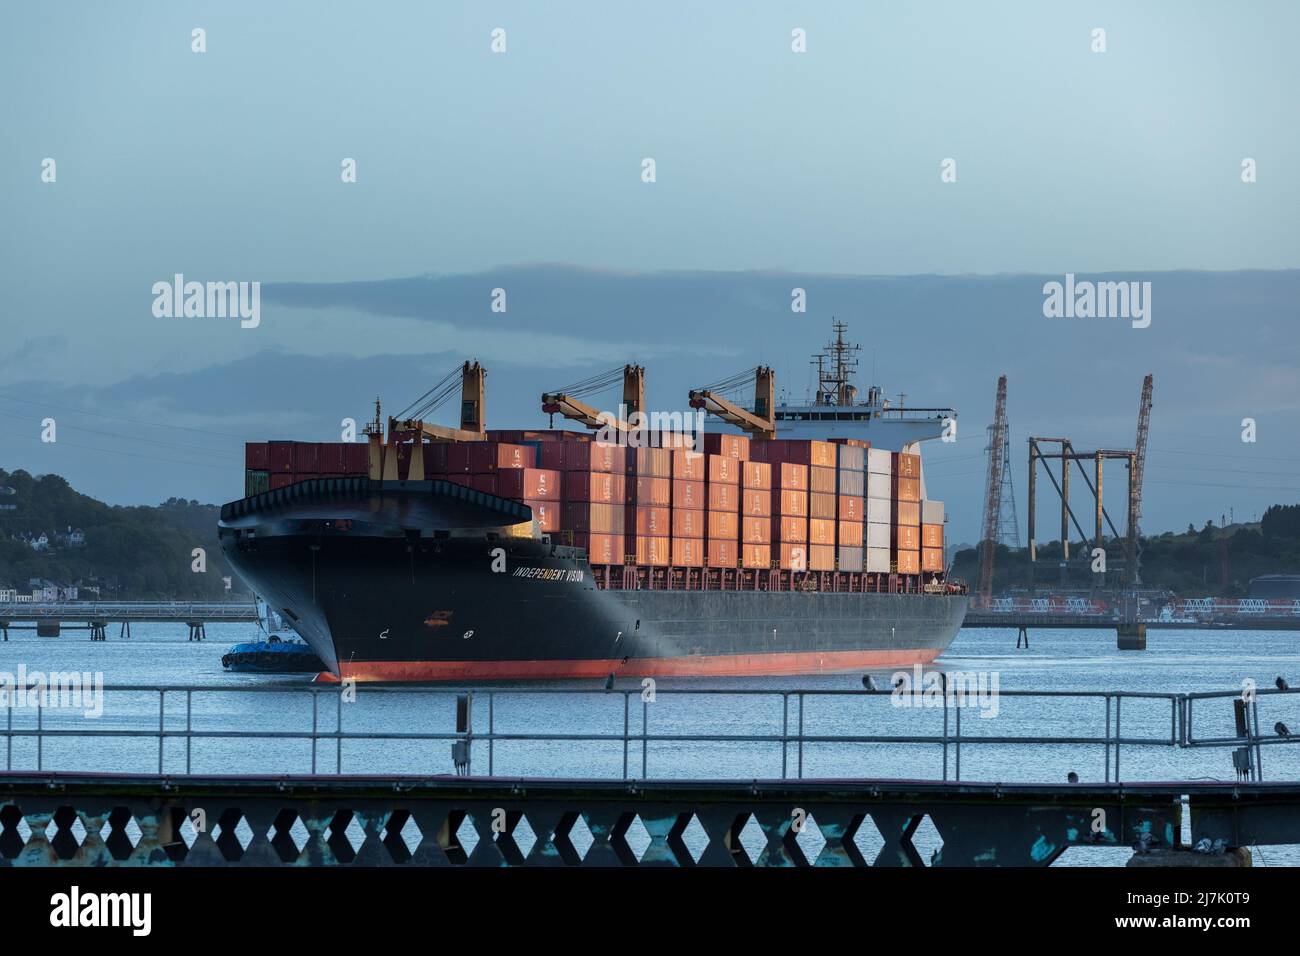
880, 510
932, 536
648, 524
595, 494
851, 504
789, 478
755, 514
907, 513
689, 525
723, 457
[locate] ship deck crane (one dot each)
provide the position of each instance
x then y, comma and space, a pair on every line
759, 422
567, 401
410, 425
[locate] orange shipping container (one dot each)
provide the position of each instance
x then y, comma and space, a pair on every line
755, 555
722, 554
932, 559
688, 494
723, 470
756, 530
723, 497
907, 512
546, 514
786, 502
850, 534
650, 462
788, 476
791, 557
756, 504
851, 508
541, 484
688, 464
907, 538
821, 557
723, 524
601, 548
756, 474
569, 455
591, 517
822, 480
645, 520
821, 531
488, 456
651, 491
688, 552
793, 530
653, 551
908, 562
821, 506
907, 489
688, 524
907, 466
932, 537
595, 486
727, 446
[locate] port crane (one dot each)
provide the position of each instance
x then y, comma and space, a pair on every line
410, 425
760, 422
568, 401
993, 495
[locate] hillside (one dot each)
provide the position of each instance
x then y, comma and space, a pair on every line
1210, 562
131, 553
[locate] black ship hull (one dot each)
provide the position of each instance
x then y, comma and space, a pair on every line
427, 581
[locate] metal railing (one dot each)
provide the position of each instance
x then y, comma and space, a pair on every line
636, 741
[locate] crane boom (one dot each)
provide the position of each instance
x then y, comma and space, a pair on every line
571, 407
759, 422
1135, 479
993, 495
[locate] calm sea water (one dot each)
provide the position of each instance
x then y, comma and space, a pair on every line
1075, 660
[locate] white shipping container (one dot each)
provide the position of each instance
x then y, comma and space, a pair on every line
880, 509
878, 486
877, 559
878, 535
879, 461
931, 512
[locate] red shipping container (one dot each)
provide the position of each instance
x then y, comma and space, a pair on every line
458, 457
486, 484
688, 494
458, 479
594, 486
688, 524
279, 480
257, 456
787, 502
821, 557
907, 466
756, 504
756, 474
932, 537
795, 450
722, 553
788, 476
539, 484
306, 457
792, 530
546, 514
593, 518
722, 470
688, 464
435, 458
906, 489
756, 530
907, 512
821, 531
850, 534
644, 520
907, 538
726, 446
755, 555
569, 455
651, 491
851, 508
280, 454
356, 458
489, 456
723, 497
688, 552
601, 548
932, 559
821, 506
723, 524
822, 480
653, 551
908, 562
331, 458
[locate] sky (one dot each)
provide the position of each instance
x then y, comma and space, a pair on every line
523, 169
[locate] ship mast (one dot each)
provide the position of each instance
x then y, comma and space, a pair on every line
835, 387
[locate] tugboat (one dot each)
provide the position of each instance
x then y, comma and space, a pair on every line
275, 655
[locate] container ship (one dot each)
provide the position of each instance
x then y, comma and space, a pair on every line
795, 539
